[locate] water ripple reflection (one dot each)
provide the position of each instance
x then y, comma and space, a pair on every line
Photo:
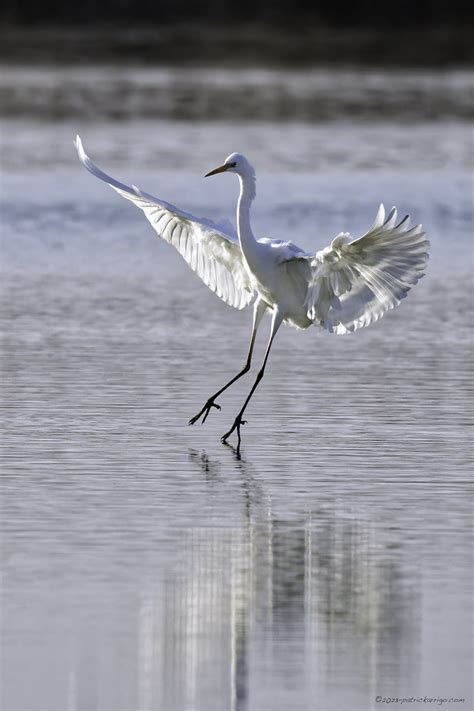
146, 566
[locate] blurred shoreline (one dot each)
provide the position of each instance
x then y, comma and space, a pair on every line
362, 95
244, 45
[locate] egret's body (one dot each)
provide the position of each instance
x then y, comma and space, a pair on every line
341, 288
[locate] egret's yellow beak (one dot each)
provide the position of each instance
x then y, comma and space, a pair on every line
220, 169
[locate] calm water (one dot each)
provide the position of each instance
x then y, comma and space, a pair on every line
145, 567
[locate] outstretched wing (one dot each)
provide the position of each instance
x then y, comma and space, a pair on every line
215, 256
353, 283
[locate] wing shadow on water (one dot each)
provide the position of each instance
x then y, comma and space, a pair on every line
277, 608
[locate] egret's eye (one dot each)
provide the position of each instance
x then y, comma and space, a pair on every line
232, 165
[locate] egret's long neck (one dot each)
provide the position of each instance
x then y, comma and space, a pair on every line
247, 194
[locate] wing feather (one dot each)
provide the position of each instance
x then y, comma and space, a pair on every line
214, 255
353, 283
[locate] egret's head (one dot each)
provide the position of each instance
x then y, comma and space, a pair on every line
235, 163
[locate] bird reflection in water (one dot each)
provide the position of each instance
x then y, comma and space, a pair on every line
311, 604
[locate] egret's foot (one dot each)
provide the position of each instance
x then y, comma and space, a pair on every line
238, 422
205, 411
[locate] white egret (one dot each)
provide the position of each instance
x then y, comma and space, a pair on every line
345, 286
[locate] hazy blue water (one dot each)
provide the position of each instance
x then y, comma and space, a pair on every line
144, 565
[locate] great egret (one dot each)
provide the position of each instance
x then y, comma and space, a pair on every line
341, 288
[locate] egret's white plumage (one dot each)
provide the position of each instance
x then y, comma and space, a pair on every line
341, 288
211, 252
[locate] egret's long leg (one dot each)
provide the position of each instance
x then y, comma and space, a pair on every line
276, 323
259, 309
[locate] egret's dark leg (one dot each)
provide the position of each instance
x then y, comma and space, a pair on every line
259, 309
238, 422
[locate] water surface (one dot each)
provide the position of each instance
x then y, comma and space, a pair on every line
145, 565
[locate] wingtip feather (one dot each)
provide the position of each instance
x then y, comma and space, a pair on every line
379, 218
391, 219
83, 157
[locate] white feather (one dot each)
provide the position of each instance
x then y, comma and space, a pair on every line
199, 241
362, 279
